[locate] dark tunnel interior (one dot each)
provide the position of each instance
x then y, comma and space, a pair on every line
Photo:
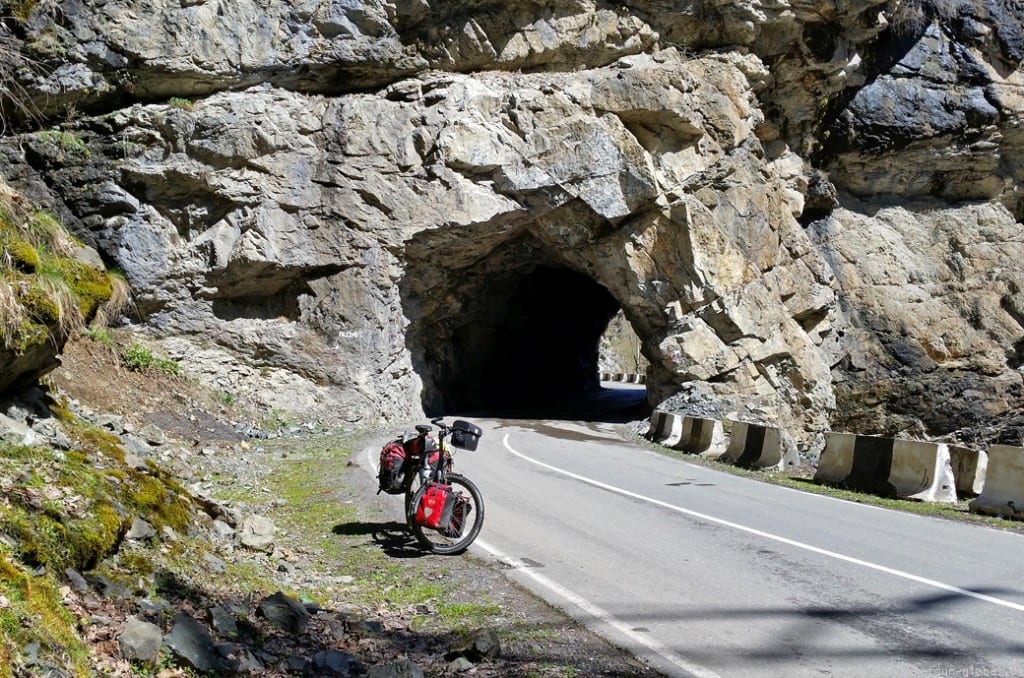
528, 345
548, 346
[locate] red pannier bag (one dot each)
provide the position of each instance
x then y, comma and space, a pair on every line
392, 468
435, 507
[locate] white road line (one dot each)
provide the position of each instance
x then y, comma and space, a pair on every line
774, 537
597, 613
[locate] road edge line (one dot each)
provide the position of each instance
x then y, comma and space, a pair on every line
596, 613
774, 537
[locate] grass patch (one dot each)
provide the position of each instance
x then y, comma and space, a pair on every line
100, 335
315, 484
65, 144
180, 102
140, 358
467, 616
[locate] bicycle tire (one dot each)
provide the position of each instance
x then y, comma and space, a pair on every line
436, 541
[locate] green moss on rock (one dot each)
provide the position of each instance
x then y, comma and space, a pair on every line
161, 500
49, 293
64, 144
35, 614
94, 439
90, 286
23, 254
42, 307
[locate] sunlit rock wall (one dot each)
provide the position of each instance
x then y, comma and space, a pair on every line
806, 210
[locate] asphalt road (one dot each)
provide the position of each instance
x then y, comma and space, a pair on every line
707, 574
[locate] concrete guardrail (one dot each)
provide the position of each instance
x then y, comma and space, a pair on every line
687, 434
1003, 494
969, 470
754, 446
908, 469
624, 377
664, 429
705, 437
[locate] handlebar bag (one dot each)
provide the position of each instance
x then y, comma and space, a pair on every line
435, 507
465, 436
391, 472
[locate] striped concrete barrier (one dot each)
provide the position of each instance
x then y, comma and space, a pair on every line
1003, 494
665, 428
908, 469
968, 470
626, 378
687, 434
754, 446
705, 437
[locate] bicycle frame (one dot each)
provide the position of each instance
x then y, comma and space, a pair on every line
434, 471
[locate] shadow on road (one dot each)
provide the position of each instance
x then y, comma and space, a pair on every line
924, 630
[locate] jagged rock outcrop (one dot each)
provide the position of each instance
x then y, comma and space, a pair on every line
806, 211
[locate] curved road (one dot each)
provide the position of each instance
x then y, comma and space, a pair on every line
707, 574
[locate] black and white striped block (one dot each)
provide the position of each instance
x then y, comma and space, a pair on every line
754, 446
686, 433
908, 469
665, 428
701, 436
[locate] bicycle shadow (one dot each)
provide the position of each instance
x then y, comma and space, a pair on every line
394, 537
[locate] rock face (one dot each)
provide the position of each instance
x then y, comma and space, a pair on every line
807, 212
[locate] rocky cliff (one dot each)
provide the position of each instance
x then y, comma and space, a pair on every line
809, 212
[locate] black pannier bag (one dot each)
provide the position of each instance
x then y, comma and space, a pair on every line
465, 436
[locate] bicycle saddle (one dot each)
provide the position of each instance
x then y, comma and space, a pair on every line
423, 429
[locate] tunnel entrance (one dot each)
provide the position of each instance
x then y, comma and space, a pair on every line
547, 347
523, 342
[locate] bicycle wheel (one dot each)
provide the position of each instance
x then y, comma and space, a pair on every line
458, 538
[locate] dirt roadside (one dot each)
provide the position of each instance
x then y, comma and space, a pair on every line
341, 543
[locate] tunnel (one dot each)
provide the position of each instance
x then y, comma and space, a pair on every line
515, 334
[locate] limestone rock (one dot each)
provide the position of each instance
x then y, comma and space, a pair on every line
257, 533
933, 304
378, 208
140, 641
140, 530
